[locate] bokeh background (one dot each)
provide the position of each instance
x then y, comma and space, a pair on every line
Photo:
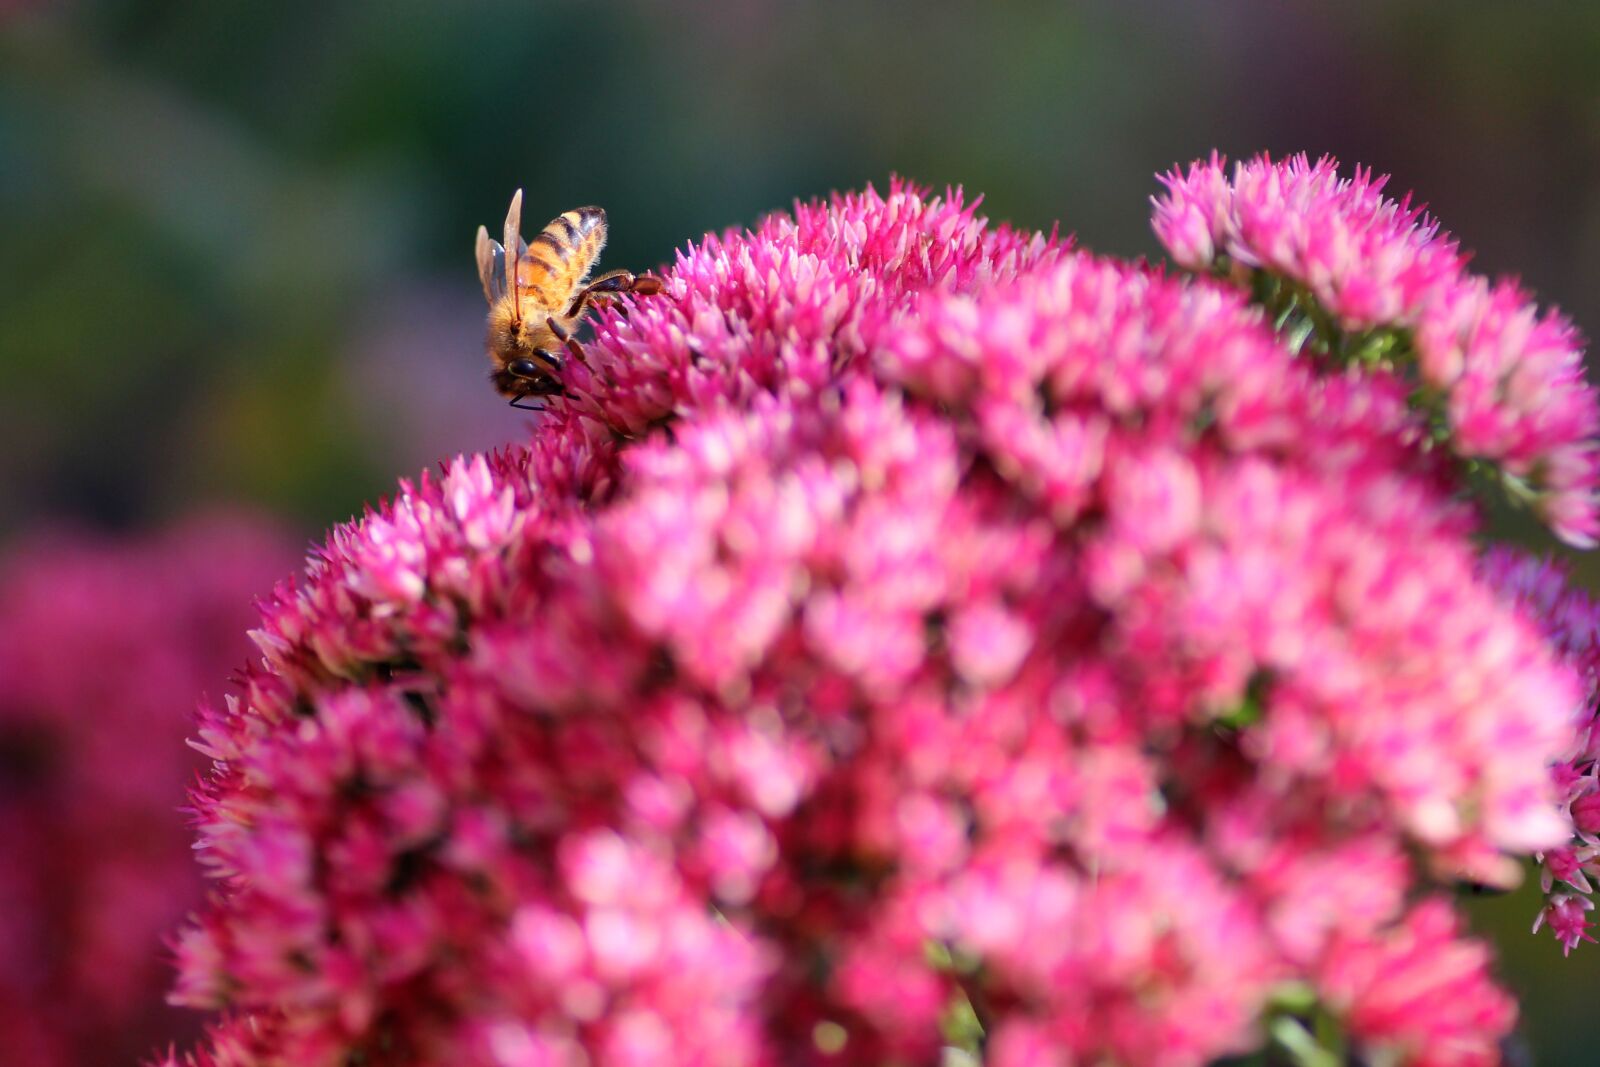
235, 238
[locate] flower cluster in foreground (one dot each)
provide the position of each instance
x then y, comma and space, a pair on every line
103, 645
912, 634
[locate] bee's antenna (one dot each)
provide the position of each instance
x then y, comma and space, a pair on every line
513, 245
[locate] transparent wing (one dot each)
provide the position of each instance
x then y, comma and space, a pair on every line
513, 240
491, 266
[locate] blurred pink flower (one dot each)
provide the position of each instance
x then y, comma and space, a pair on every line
104, 645
906, 622
1420, 994
1570, 619
1505, 379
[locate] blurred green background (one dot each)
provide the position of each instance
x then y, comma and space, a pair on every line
235, 238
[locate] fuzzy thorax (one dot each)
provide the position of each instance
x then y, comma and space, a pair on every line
525, 336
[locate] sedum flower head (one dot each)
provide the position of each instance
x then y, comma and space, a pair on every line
103, 645
1371, 280
913, 634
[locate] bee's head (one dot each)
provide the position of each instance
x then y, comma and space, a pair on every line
527, 360
526, 377
536, 375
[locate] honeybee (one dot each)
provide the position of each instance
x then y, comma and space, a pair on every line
537, 298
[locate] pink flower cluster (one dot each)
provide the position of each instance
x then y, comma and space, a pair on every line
913, 634
1381, 281
104, 645
1570, 620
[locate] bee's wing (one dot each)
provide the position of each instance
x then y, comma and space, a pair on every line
513, 241
491, 266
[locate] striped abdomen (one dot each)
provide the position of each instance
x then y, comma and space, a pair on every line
559, 258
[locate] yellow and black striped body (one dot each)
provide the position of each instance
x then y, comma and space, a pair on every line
537, 294
558, 260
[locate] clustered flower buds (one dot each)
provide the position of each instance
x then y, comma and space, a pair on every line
1375, 282
104, 644
915, 634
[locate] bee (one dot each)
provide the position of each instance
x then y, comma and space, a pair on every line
537, 293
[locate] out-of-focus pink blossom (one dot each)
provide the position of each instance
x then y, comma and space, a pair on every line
1421, 994
1570, 620
1505, 379
906, 621
104, 645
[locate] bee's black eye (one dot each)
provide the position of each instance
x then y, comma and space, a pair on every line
523, 368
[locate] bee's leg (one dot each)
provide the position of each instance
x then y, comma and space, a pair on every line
577, 352
567, 339
618, 281
516, 403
